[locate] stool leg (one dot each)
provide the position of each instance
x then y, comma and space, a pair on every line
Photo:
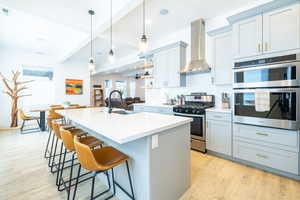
53, 138
130, 181
77, 179
71, 175
48, 141
54, 155
113, 181
93, 185
59, 170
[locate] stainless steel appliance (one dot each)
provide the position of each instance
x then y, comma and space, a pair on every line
279, 79
283, 71
195, 105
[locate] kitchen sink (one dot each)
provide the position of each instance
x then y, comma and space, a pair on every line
123, 112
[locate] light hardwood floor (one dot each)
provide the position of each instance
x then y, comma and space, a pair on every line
24, 175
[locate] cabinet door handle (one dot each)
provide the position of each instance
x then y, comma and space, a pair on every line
262, 134
266, 46
258, 47
262, 156
218, 116
206, 124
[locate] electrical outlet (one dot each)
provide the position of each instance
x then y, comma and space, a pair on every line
154, 141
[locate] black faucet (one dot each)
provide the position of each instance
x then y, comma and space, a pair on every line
109, 99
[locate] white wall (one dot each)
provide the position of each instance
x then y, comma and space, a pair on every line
11, 59
71, 70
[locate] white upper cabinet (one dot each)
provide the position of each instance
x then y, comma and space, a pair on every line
281, 29
167, 64
247, 36
270, 32
222, 58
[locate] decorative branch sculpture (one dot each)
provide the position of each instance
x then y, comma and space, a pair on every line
13, 90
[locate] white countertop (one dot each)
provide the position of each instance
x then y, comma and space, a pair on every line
215, 109
154, 105
123, 128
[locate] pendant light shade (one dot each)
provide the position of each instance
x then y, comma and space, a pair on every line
92, 64
144, 41
111, 52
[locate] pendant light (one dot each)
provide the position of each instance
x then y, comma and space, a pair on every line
144, 40
111, 52
92, 63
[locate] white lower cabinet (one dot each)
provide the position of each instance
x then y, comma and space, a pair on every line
274, 148
219, 132
270, 157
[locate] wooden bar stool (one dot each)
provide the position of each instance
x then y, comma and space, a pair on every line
26, 118
68, 141
100, 161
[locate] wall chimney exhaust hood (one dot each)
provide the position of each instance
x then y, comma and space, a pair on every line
198, 63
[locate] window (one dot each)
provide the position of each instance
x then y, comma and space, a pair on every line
42, 87
107, 87
132, 88
122, 86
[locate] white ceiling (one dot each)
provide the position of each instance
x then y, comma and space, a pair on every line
56, 28
181, 13
60, 28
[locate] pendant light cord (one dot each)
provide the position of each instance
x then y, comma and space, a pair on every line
111, 24
91, 35
144, 18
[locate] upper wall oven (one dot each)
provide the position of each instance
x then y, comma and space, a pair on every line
267, 74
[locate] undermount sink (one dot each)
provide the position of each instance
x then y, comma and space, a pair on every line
122, 112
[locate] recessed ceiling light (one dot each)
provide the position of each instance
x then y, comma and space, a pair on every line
164, 11
5, 11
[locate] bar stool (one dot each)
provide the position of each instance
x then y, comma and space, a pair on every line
56, 129
100, 161
68, 141
49, 123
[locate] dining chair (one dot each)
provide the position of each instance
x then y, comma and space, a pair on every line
27, 118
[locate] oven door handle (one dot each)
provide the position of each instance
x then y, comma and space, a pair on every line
188, 115
267, 90
275, 66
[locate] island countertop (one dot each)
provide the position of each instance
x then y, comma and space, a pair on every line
123, 128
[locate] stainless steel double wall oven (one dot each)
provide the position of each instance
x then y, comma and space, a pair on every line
279, 77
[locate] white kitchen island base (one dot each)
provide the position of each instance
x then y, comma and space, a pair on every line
160, 169
162, 173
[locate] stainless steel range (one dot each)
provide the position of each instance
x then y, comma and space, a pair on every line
195, 105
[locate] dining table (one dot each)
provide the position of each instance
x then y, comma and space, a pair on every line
42, 109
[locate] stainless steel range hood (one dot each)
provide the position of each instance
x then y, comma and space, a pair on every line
198, 63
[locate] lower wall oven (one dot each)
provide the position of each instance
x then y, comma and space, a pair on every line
198, 135
283, 112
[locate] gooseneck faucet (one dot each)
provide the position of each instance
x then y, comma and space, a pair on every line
109, 99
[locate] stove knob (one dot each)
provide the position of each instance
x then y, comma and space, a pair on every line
193, 111
198, 112
179, 110
186, 110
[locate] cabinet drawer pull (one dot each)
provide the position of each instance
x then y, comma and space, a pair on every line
218, 116
262, 134
262, 156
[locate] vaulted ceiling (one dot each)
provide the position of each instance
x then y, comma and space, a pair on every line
60, 28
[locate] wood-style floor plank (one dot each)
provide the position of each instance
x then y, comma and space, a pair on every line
24, 175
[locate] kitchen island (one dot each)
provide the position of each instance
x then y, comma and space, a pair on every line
158, 145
